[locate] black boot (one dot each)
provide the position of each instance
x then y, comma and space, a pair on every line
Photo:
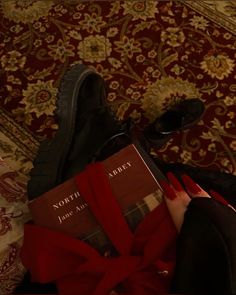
88, 131
86, 126
179, 117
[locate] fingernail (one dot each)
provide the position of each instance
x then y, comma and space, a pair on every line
169, 192
191, 186
218, 197
174, 181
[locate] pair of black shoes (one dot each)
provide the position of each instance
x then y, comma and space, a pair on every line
88, 131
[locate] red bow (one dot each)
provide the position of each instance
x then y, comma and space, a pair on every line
146, 260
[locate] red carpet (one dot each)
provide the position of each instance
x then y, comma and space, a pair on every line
152, 55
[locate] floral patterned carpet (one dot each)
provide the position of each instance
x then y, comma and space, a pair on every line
151, 53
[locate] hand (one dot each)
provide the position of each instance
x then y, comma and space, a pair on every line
205, 248
178, 199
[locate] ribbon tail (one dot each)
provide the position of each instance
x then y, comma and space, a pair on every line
95, 188
50, 255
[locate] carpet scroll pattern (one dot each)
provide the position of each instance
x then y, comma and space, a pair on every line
151, 53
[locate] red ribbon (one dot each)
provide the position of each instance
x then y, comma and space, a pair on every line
146, 260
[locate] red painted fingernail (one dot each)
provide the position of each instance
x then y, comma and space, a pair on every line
174, 181
191, 186
169, 192
218, 197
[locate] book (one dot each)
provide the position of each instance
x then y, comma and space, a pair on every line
133, 177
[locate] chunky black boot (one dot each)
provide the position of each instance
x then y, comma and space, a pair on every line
86, 125
88, 131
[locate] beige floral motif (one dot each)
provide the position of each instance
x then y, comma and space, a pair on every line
225, 162
227, 36
231, 115
135, 95
80, 6
152, 54
211, 147
77, 15
75, 35
48, 123
140, 9
37, 25
13, 61
140, 58
202, 153
61, 50
208, 135
229, 124
199, 22
129, 91
112, 32
177, 69
216, 124
94, 48
49, 38
111, 96
92, 23
219, 94
127, 47
114, 85
149, 69
217, 65
230, 101
156, 74
40, 98
12, 79
123, 107
114, 62
16, 29
233, 145
173, 36
175, 148
186, 157
38, 42
165, 92
25, 11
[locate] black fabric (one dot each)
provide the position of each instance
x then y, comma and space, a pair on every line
206, 250
27, 287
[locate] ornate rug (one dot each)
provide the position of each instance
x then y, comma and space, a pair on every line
151, 53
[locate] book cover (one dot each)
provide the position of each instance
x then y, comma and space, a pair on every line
134, 181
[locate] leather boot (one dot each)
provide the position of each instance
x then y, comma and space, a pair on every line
86, 126
179, 117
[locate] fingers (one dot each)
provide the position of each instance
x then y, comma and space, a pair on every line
193, 188
220, 199
176, 199
174, 181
